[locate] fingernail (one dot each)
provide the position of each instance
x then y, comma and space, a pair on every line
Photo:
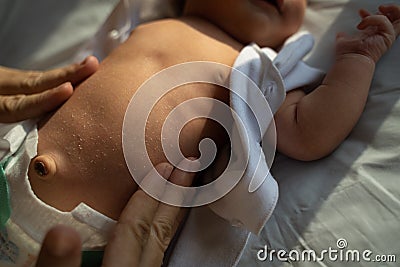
167, 170
84, 61
63, 86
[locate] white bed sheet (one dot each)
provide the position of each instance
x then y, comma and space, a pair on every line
352, 194
43, 34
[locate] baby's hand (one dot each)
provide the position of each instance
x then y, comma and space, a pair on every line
377, 33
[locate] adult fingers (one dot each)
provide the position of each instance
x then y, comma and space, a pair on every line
166, 222
133, 228
31, 82
61, 248
15, 108
74, 73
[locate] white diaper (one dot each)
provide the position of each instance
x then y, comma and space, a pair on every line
25, 219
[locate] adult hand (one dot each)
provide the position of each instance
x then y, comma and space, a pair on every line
27, 94
140, 238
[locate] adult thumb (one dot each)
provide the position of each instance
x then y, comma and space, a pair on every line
61, 248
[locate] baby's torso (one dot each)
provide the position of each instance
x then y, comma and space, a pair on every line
84, 135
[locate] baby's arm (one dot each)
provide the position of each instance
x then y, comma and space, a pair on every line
312, 126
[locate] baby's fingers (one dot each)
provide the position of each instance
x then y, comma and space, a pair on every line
364, 13
392, 12
380, 22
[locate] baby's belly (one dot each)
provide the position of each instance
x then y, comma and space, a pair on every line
85, 134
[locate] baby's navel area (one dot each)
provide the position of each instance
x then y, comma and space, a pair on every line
73, 168
83, 140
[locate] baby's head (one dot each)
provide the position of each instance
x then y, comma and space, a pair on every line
265, 22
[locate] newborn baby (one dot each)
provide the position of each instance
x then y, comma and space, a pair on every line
79, 153
80, 145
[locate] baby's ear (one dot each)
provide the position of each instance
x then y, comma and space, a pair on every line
43, 166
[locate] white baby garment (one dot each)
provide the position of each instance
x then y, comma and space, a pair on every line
252, 201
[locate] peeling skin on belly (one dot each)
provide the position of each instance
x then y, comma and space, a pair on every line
84, 135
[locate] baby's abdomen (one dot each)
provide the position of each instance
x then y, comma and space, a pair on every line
86, 132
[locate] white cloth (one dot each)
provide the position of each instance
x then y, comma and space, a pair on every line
114, 31
31, 218
274, 75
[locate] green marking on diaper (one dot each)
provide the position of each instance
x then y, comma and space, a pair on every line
5, 208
